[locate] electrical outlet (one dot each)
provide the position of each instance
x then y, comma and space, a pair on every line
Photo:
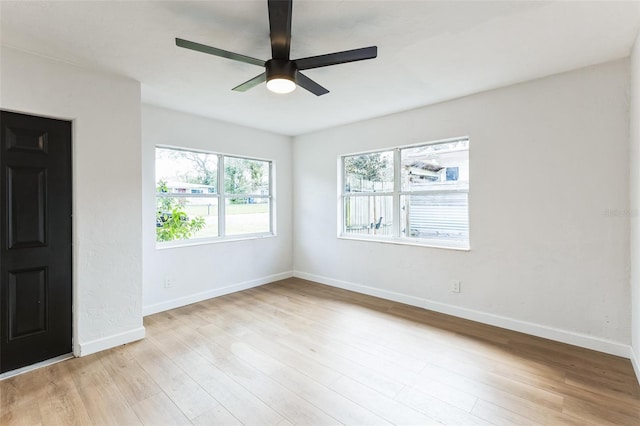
455, 286
168, 283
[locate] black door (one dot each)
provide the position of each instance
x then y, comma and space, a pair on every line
35, 238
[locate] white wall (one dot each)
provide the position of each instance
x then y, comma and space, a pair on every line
635, 204
548, 200
107, 250
203, 271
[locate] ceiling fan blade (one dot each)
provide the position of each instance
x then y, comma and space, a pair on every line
280, 28
337, 58
218, 52
306, 83
251, 83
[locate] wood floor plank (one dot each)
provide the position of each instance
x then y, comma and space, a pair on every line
185, 392
443, 391
48, 397
106, 406
500, 416
298, 353
88, 371
437, 409
382, 405
217, 415
132, 380
597, 413
64, 407
25, 413
159, 409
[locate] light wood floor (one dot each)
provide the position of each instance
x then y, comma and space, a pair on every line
294, 352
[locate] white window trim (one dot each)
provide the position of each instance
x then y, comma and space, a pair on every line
211, 240
397, 193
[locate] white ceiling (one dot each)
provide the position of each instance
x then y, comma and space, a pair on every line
428, 51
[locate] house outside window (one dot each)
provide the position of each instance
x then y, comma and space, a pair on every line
203, 196
415, 194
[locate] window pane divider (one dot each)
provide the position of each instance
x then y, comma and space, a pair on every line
221, 205
368, 194
438, 191
246, 196
270, 196
185, 195
397, 186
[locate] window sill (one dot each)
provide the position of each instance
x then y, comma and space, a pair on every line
207, 241
409, 242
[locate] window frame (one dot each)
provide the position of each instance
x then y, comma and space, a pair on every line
397, 193
221, 196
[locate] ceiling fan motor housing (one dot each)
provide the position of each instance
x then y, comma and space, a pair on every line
281, 68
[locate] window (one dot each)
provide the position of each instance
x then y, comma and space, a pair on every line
416, 194
205, 196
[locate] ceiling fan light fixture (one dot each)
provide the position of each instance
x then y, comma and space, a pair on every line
281, 85
281, 75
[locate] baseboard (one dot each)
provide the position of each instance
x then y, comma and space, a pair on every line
109, 342
635, 361
199, 297
551, 333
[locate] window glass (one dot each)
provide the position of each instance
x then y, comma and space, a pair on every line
185, 183
432, 166
187, 172
244, 176
247, 193
437, 216
247, 216
369, 172
369, 215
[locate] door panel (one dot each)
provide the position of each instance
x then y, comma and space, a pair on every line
35, 239
26, 139
27, 302
26, 207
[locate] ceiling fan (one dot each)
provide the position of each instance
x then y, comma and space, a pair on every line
282, 74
